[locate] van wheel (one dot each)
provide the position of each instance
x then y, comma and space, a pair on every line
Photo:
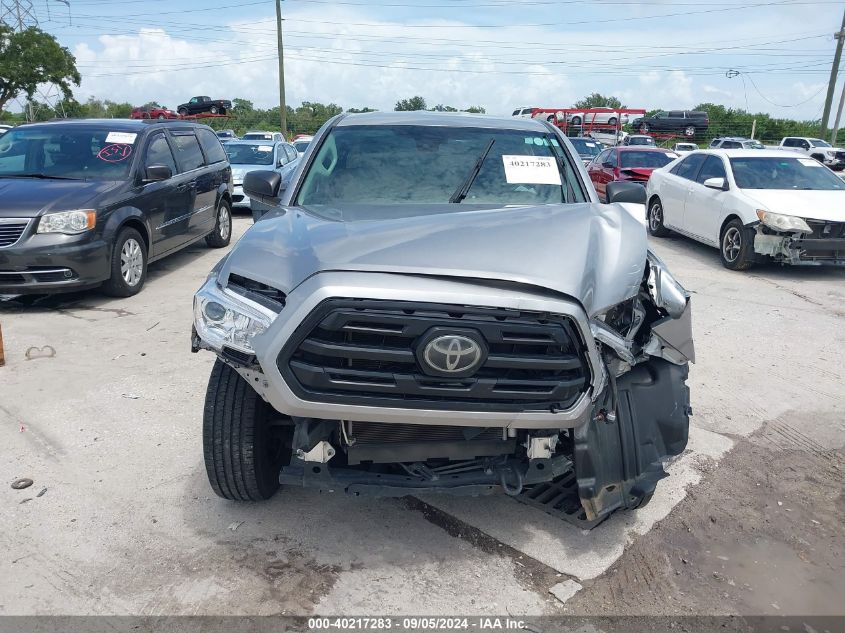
222, 233
245, 443
128, 264
735, 246
655, 219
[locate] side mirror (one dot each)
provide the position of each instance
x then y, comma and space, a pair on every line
264, 186
716, 183
279, 163
156, 173
621, 191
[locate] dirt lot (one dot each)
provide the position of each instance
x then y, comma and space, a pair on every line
105, 418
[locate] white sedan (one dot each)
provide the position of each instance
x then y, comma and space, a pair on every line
753, 205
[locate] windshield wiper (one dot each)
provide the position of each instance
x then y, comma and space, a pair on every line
42, 176
462, 191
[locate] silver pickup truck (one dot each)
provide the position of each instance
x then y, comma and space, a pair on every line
439, 303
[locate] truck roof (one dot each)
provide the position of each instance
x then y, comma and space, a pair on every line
445, 119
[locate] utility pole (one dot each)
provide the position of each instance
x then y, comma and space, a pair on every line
753, 128
838, 117
282, 104
834, 71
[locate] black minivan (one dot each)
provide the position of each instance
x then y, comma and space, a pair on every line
85, 203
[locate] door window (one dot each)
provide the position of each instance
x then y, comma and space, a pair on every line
291, 152
188, 151
158, 153
688, 168
731, 145
602, 158
211, 146
613, 159
712, 168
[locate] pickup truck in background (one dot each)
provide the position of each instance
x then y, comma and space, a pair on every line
822, 151
198, 105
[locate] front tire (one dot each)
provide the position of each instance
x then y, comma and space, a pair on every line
160, 117
655, 219
128, 264
222, 233
689, 131
213, 109
576, 120
183, 112
243, 447
612, 121
735, 246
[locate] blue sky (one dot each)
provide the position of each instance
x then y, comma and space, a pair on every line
496, 53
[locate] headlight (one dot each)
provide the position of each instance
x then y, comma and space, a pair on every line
222, 317
785, 223
69, 222
664, 288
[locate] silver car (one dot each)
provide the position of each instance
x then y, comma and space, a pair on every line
247, 156
440, 303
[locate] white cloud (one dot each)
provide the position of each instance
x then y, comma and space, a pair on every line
335, 59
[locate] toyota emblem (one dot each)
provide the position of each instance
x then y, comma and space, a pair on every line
452, 354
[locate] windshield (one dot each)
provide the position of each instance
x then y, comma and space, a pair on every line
817, 142
644, 159
249, 154
59, 151
301, 146
414, 165
784, 173
257, 136
585, 147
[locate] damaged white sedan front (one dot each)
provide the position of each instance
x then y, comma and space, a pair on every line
753, 205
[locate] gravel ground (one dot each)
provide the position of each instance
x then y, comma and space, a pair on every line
105, 418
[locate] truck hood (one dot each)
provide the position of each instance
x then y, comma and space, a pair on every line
28, 197
593, 253
816, 205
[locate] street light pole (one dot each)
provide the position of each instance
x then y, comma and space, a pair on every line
282, 104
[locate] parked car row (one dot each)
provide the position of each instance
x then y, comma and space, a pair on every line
246, 156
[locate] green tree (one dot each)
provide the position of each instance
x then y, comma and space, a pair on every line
597, 100
361, 110
242, 106
476, 110
443, 108
32, 57
408, 105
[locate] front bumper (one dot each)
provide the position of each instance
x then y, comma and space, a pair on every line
267, 379
49, 263
239, 198
801, 250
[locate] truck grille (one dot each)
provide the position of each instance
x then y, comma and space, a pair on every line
365, 352
11, 231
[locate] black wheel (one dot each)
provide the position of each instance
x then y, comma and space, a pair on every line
655, 219
183, 111
160, 116
223, 110
643, 129
128, 264
245, 442
736, 246
213, 109
689, 131
612, 121
576, 120
222, 233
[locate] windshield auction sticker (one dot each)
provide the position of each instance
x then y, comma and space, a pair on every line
531, 170
121, 137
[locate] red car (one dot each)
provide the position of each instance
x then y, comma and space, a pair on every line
631, 163
145, 112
